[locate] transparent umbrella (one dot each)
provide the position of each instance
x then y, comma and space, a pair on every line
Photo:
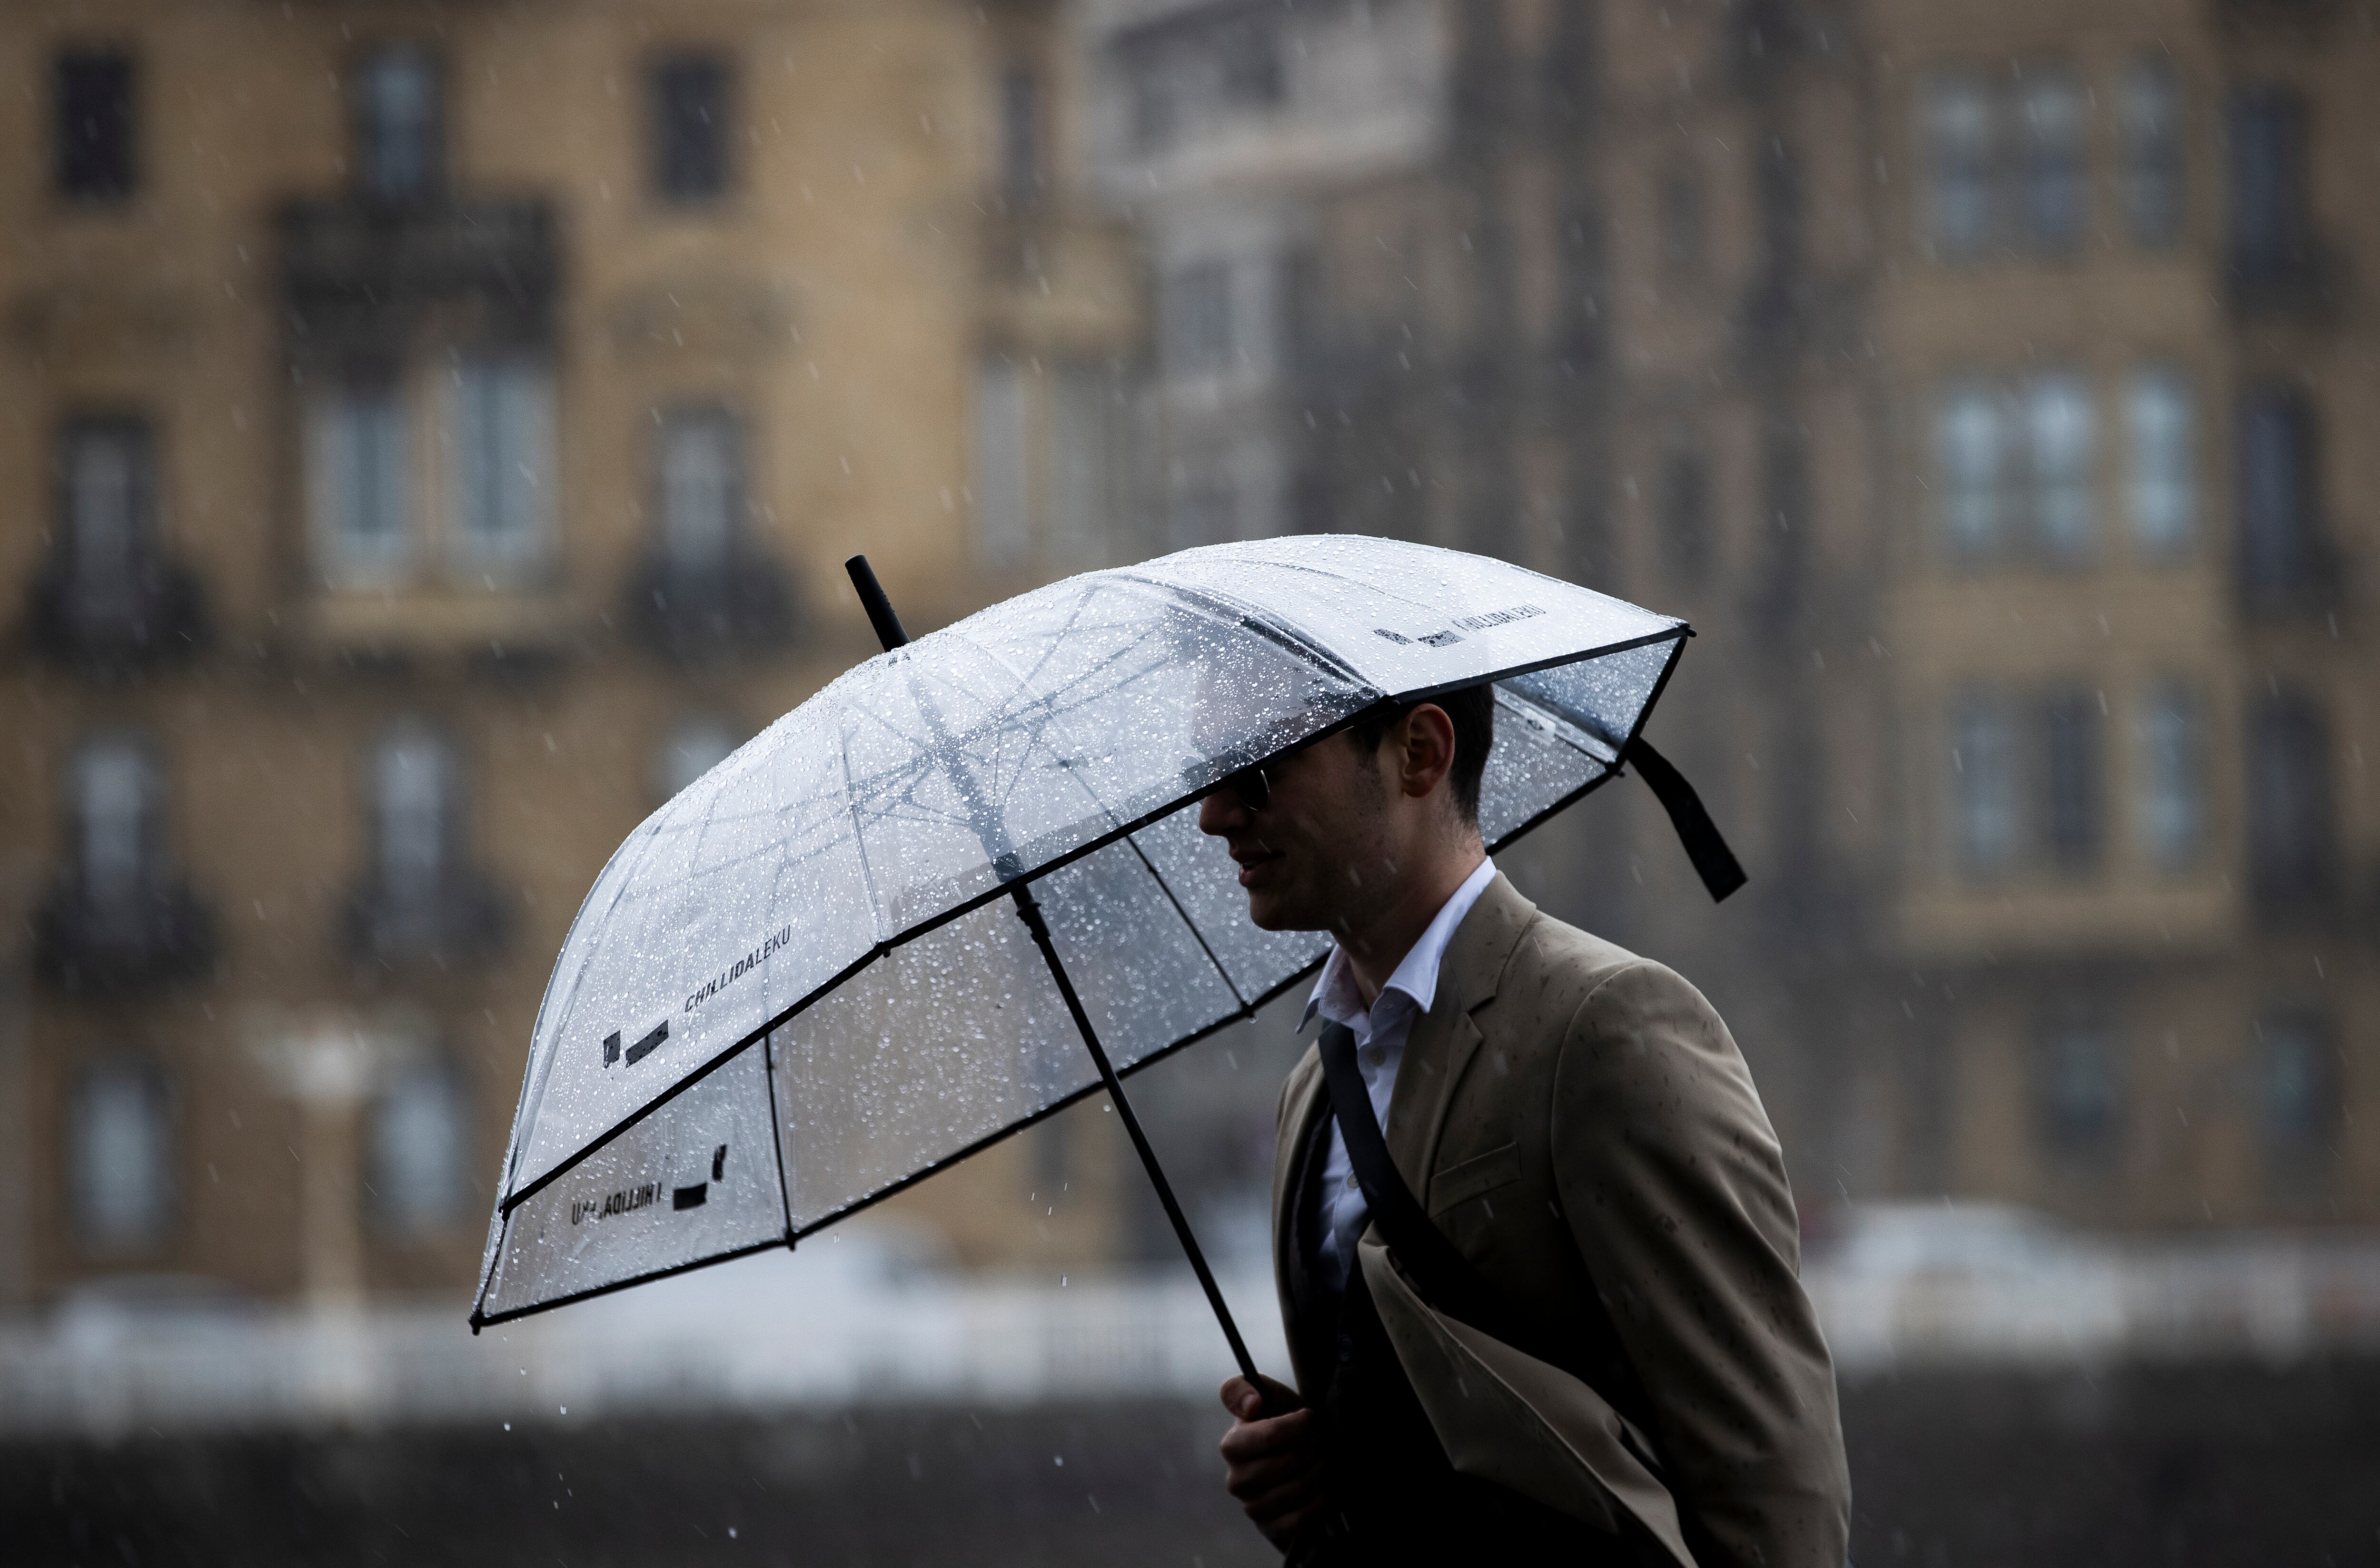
963, 886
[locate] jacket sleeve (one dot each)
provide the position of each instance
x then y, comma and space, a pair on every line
1674, 1188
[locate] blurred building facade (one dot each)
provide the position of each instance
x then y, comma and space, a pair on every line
434, 433
1972, 380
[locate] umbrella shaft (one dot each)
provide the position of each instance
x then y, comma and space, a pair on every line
1030, 912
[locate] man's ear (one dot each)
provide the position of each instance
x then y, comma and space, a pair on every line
1427, 755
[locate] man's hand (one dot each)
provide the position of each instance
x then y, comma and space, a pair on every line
1272, 1465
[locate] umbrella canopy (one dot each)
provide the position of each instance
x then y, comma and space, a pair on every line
799, 985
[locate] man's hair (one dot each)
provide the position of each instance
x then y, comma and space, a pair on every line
1472, 709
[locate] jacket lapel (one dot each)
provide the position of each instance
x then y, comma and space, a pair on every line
1302, 1101
1444, 1039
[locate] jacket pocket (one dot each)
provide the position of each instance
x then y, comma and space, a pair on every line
1481, 1174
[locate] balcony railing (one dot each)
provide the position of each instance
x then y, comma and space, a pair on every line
457, 919
153, 614
130, 943
356, 270
748, 603
2302, 280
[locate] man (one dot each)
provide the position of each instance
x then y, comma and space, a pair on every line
1578, 1124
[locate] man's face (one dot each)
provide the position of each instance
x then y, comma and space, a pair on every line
1324, 833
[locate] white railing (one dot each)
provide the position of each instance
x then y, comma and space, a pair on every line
837, 1326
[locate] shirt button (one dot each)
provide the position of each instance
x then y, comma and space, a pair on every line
1353, 1184
1346, 1348
1374, 1055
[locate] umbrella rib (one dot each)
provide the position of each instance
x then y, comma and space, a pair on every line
1197, 936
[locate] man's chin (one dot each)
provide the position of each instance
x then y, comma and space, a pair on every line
1268, 913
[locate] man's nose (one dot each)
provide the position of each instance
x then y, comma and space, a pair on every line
1221, 812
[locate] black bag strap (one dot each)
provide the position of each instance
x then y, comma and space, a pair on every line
1446, 1279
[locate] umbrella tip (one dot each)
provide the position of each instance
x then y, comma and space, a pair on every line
872, 600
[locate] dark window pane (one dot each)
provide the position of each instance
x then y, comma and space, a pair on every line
690, 128
107, 489
2298, 1079
2148, 113
702, 488
1681, 226
2270, 228
94, 128
399, 141
1249, 55
1020, 134
2078, 1088
1685, 505
1198, 318
1956, 125
2279, 550
2291, 830
2070, 815
2054, 122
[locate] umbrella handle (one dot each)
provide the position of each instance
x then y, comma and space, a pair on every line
1029, 911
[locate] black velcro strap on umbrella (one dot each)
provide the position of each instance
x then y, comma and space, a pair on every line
1709, 852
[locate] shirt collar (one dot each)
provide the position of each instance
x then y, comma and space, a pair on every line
1335, 996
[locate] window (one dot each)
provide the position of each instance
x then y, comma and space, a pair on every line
1198, 318
2173, 777
2297, 1077
117, 800
690, 117
1785, 520
1984, 786
2271, 230
1248, 61
2078, 1086
2070, 777
414, 826
1970, 447
1083, 441
701, 484
2291, 833
95, 128
500, 437
1206, 513
420, 1151
2059, 434
1956, 116
360, 462
1154, 113
400, 152
695, 746
1682, 223
1003, 520
2161, 481
1685, 513
1986, 436
1300, 308
2280, 555
108, 485
1020, 134
121, 1157
2054, 125
2148, 125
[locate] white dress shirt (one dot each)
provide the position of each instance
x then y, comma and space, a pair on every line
1380, 1032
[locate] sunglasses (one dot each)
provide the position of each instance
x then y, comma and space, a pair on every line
1250, 784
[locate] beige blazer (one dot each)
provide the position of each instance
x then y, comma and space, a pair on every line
1576, 1118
